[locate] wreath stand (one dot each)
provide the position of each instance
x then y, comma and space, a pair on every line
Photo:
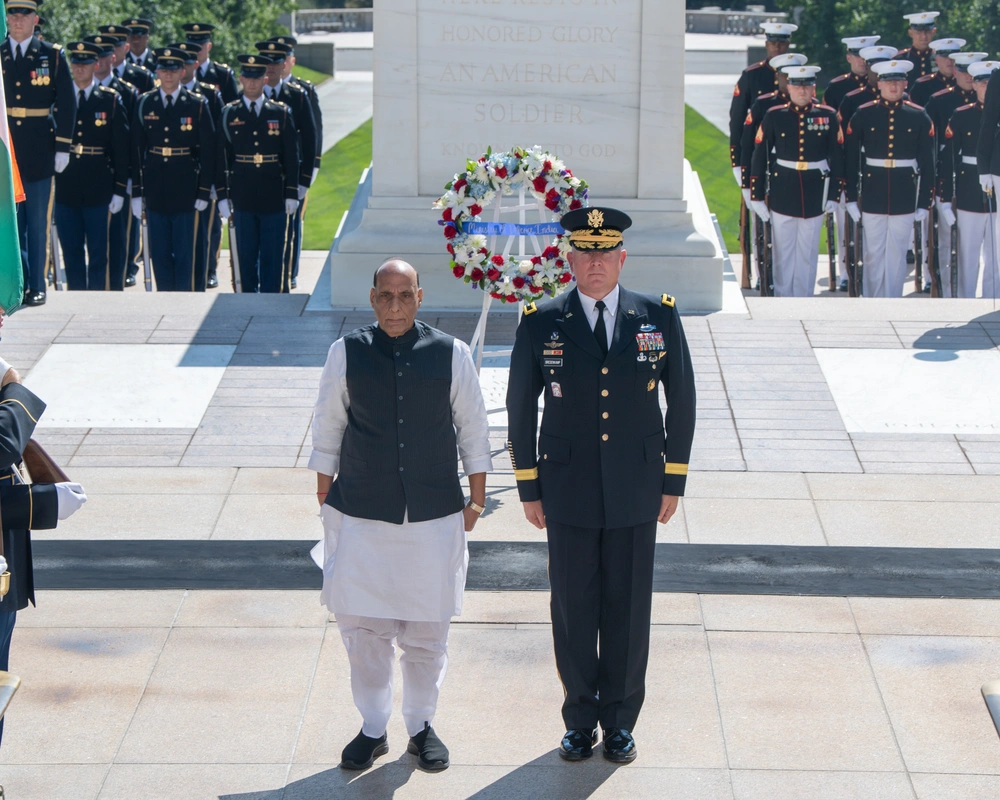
478, 343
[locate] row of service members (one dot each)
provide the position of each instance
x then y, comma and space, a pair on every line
795, 225
70, 116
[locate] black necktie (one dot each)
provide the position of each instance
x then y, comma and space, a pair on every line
170, 101
82, 98
253, 110
17, 54
600, 331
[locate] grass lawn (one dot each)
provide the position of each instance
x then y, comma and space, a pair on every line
331, 194
707, 148
309, 74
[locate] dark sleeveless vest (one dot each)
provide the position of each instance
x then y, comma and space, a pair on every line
399, 453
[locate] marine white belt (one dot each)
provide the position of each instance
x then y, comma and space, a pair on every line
969, 160
890, 163
802, 165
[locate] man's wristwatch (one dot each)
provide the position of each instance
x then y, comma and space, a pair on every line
476, 507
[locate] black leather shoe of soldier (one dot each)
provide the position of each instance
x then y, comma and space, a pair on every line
927, 288
619, 746
130, 280
429, 749
363, 750
910, 257
32, 298
578, 744
295, 283
843, 285
213, 281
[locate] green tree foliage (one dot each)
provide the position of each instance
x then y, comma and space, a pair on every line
822, 24
240, 22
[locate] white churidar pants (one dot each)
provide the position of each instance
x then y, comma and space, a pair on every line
886, 240
796, 254
975, 241
370, 644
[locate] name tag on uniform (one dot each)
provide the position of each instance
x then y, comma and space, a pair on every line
552, 362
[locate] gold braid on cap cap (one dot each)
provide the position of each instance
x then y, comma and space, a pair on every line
603, 239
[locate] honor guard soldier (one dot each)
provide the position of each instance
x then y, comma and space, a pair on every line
38, 34
934, 82
922, 30
603, 473
209, 224
857, 78
835, 92
121, 222
939, 108
258, 179
140, 77
173, 164
41, 109
140, 53
856, 98
213, 72
890, 144
795, 178
964, 198
284, 92
757, 79
92, 188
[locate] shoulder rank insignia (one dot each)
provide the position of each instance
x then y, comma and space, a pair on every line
531, 308
667, 300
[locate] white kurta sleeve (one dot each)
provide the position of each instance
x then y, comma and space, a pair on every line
330, 414
468, 411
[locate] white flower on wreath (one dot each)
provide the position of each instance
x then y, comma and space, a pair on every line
525, 266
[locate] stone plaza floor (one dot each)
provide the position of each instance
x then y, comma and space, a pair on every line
834, 433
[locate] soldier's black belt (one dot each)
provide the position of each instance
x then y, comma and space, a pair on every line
170, 152
256, 158
20, 113
80, 150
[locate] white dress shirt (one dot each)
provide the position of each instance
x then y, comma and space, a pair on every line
259, 102
414, 571
175, 94
590, 309
87, 91
22, 46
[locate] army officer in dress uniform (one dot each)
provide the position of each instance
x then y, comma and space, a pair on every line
92, 188
795, 178
208, 71
604, 472
41, 103
890, 145
258, 166
173, 164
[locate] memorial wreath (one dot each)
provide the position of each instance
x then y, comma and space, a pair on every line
506, 277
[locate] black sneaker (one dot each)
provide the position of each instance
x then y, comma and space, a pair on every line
619, 746
363, 750
578, 744
430, 751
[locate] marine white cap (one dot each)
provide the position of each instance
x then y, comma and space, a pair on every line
778, 30
944, 46
981, 70
788, 60
963, 60
801, 76
882, 51
923, 19
855, 43
894, 70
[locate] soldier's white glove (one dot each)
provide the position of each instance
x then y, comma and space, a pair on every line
986, 181
3, 564
62, 161
302, 191
291, 206
760, 209
315, 173
117, 201
137, 207
746, 197
854, 211
947, 213
70, 498
830, 207
200, 205
738, 174
921, 215
225, 210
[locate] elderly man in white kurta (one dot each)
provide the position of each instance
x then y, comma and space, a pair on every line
398, 403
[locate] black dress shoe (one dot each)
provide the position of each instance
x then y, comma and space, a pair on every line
619, 746
843, 285
130, 280
32, 298
363, 750
295, 283
578, 744
927, 288
429, 749
910, 257
213, 281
